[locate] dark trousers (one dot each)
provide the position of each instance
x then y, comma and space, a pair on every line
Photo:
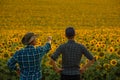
70, 77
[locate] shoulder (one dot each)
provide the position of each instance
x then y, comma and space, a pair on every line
79, 44
18, 52
62, 45
38, 48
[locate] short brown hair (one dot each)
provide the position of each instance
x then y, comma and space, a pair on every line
70, 32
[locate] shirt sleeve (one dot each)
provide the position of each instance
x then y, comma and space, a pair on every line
44, 49
57, 53
86, 53
12, 62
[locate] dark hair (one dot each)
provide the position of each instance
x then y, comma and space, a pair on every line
70, 32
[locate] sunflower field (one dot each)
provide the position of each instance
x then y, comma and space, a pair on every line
97, 25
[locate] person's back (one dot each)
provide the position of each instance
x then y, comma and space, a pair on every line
71, 56
29, 58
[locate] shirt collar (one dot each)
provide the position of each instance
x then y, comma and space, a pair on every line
29, 46
71, 41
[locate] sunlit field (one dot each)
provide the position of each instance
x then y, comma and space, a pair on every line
97, 25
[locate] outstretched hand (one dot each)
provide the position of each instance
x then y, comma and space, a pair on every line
49, 39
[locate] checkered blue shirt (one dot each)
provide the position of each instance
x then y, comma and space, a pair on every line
71, 56
29, 60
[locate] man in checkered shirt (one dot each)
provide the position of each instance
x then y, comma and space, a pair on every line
29, 58
71, 56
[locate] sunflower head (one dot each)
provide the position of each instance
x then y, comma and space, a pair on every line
15, 39
6, 55
110, 49
9, 42
17, 48
116, 49
118, 53
118, 40
81, 65
1, 45
101, 55
96, 57
11, 54
97, 45
113, 62
103, 45
60, 61
94, 49
48, 63
98, 67
106, 66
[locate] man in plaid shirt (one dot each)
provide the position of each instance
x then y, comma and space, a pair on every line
71, 56
29, 58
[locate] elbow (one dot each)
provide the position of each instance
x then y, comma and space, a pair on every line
9, 66
93, 60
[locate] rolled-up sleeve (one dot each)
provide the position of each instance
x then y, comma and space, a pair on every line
44, 49
86, 53
57, 53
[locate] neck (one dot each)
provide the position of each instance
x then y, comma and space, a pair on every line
31, 44
71, 39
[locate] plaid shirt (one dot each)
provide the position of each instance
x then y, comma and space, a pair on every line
71, 57
29, 60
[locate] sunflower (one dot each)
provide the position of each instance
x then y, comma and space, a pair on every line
98, 67
17, 48
94, 50
48, 63
106, 66
118, 40
2, 51
0, 56
81, 65
11, 54
103, 45
39, 43
93, 41
113, 62
96, 57
5, 55
101, 55
97, 45
9, 42
118, 53
1, 45
111, 40
15, 39
110, 49
59, 61
99, 50
113, 43
116, 49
